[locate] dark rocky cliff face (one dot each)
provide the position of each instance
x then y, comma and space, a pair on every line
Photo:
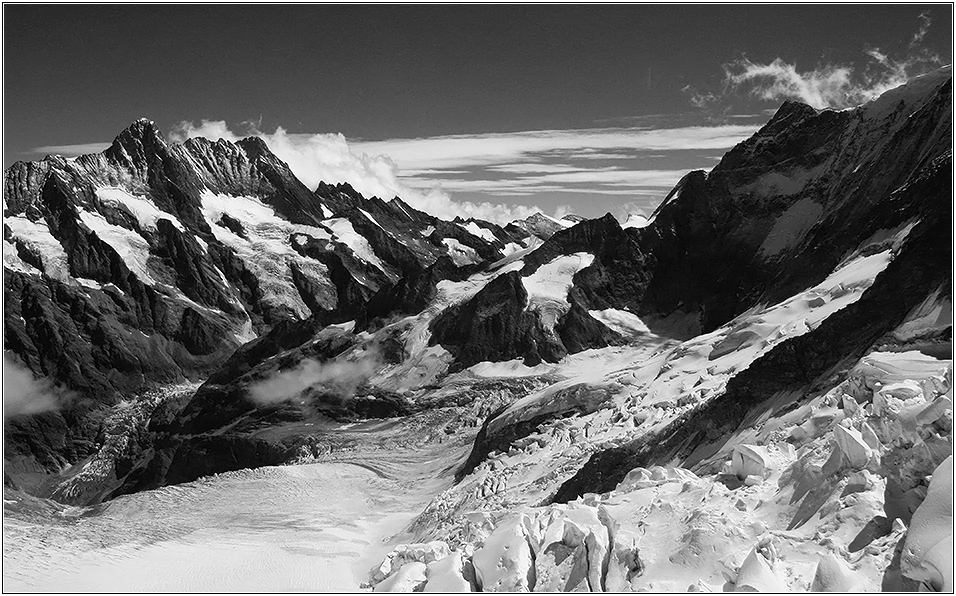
494, 325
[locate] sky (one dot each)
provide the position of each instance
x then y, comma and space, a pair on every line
482, 110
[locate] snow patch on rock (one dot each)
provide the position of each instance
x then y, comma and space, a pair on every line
460, 254
476, 230
141, 208
346, 234
36, 236
552, 280
266, 247
130, 246
622, 321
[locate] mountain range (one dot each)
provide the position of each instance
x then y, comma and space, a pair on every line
195, 309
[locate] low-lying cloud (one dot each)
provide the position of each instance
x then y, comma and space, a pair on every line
340, 377
24, 393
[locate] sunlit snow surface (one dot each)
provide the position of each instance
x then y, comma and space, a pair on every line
636, 220
460, 254
346, 234
37, 237
552, 280
130, 246
314, 527
483, 233
141, 208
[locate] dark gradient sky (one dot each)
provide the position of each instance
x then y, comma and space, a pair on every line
79, 74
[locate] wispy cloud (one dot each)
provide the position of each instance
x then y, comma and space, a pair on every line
457, 151
828, 86
70, 150
924, 24
577, 163
578, 181
831, 85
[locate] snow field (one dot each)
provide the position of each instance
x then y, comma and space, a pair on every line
264, 530
130, 246
476, 230
552, 280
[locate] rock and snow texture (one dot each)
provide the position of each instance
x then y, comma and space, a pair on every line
711, 401
780, 514
462, 255
141, 208
150, 263
818, 495
36, 238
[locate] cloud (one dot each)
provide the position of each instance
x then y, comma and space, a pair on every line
71, 150
924, 23
339, 377
460, 151
522, 165
829, 86
24, 393
576, 162
826, 86
331, 158
427, 172
607, 181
